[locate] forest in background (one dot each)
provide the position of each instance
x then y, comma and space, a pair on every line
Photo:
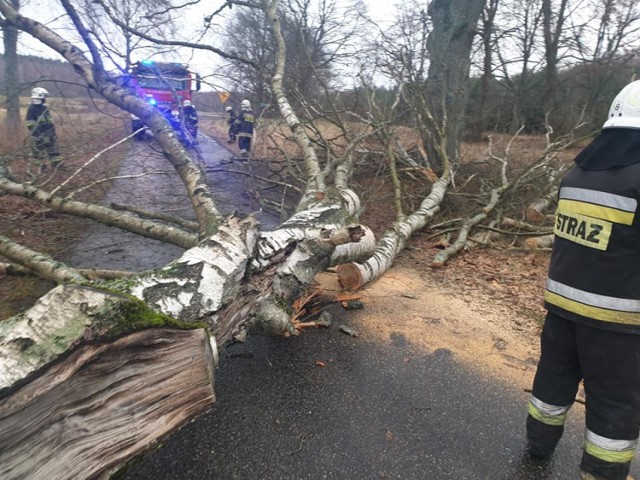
584, 91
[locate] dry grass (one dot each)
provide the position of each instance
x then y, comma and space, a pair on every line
82, 132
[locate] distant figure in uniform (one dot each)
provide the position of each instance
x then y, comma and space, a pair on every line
190, 119
233, 128
592, 329
245, 123
42, 131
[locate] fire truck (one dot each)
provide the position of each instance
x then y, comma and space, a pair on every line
165, 86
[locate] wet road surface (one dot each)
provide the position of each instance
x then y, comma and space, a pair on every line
368, 414
377, 409
160, 189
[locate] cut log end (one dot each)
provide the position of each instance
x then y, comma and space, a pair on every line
349, 276
534, 216
545, 241
105, 403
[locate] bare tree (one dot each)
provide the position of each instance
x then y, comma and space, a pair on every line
487, 35
604, 48
231, 277
317, 34
449, 44
112, 351
119, 44
553, 25
12, 83
519, 54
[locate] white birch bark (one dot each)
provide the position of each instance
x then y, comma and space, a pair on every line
106, 215
354, 275
228, 283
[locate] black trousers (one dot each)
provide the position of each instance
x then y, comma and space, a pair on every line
45, 145
244, 143
609, 364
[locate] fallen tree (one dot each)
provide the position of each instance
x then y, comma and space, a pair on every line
107, 363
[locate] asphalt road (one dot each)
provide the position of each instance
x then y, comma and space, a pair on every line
367, 414
377, 409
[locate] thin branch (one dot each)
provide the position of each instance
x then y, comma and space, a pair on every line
14, 270
165, 217
94, 158
43, 265
101, 214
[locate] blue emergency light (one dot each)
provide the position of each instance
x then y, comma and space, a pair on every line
152, 101
147, 62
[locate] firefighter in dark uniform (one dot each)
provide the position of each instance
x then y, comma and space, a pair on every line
190, 119
43, 133
245, 123
592, 328
232, 124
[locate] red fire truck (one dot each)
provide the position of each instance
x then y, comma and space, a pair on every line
165, 86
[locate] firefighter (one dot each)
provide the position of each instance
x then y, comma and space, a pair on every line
233, 128
245, 123
592, 328
43, 133
190, 119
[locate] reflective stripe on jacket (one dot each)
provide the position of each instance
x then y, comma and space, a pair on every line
594, 273
245, 123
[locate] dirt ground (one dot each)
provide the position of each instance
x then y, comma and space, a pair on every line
485, 308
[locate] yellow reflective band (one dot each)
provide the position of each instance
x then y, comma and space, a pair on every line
572, 207
587, 231
31, 123
597, 313
553, 420
610, 456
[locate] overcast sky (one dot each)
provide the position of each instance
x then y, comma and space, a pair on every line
49, 12
382, 11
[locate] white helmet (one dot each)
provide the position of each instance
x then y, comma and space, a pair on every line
625, 109
245, 105
39, 93
186, 103
228, 109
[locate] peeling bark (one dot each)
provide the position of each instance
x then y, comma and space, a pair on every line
76, 343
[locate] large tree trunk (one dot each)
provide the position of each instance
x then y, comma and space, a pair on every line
449, 45
99, 374
81, 391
